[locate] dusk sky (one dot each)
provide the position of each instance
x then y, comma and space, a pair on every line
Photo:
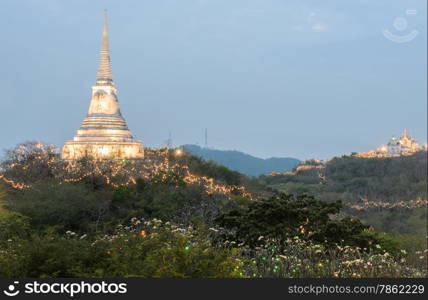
270, 78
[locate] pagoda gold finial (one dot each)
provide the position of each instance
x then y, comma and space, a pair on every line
104, 75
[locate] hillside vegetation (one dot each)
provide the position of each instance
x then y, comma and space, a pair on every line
175, 215
389, 193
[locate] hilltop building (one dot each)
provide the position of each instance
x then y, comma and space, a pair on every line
103, 132
403, 145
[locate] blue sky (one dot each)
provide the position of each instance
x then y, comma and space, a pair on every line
268, 77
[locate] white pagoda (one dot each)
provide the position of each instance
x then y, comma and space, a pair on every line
103, 133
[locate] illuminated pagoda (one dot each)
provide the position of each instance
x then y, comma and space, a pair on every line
103, 133
404, 145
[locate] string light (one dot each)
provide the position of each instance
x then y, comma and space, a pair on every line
15, 185
416, 203
121, 172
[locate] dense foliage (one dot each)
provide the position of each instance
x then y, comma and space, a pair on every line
350, 178
388, 193
175, 216
285, 216
156, 251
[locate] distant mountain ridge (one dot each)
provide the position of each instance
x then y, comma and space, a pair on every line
242, 162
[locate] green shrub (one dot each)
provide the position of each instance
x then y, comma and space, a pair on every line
287, 215
67, 206
152, 249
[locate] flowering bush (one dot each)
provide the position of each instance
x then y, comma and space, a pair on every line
161, 249
286, 215
58, 219
142, 249
299, 258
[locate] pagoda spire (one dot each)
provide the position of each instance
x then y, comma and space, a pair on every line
103, 133
104, 74
405, 133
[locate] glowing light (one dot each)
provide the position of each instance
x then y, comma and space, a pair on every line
15, 185
124, 172
104, 151
178, 152
403, 146
416, 203
143, 233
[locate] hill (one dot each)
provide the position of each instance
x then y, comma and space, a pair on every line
176, 215
242, 162
389, 193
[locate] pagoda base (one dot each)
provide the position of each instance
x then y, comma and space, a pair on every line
73, 150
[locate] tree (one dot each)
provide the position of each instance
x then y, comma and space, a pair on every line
284, 216
30, 162
67, 206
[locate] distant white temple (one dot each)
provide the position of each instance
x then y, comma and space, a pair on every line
103, 133
403, 145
